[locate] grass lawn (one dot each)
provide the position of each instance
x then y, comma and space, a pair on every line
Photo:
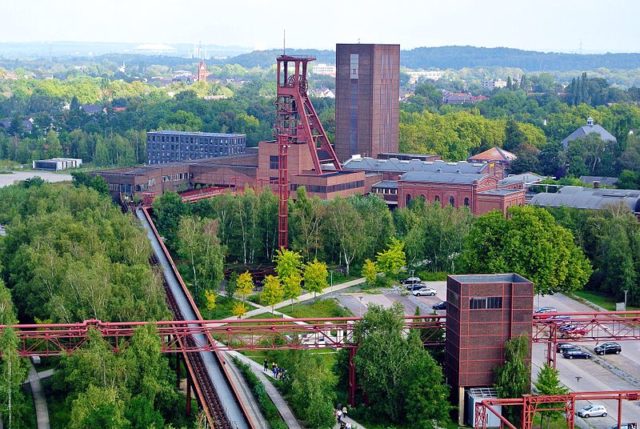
600, 299
321, 308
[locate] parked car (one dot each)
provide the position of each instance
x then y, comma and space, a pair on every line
576, 354
561, 347
573, 333
608, 349
424, 291
567, 327
442, 305
544, 312
414, 287
626, 426
411, 281
560, 317
592, 410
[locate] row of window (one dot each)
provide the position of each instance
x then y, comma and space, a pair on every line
385, 191
184, 139
187, 147
176, 177
331, 188
480, 303
436, 199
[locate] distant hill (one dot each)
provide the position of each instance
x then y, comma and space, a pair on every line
457, 57
267, 58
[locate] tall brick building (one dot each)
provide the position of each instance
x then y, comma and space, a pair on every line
367, 99
483, 312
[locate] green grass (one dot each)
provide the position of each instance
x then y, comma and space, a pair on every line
321, 308
597, 298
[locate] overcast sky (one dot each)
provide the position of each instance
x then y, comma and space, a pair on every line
549, 25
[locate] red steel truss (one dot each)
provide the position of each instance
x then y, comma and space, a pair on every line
587, 327
531, 404
283, 192
269, 334
178, 335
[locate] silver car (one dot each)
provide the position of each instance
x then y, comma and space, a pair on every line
424, 291
592, 410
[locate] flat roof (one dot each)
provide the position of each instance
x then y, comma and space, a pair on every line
500, 192
195, 133
489, 278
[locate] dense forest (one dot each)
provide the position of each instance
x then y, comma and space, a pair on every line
69, 255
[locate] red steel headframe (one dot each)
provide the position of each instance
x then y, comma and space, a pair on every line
296, 123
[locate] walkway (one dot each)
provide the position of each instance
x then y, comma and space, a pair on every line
302, 298
42, 412
274, 394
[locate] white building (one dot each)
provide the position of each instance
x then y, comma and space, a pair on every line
415, 75
324, 69
56, 164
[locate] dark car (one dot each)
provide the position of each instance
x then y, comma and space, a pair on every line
576, 354
442, 305
608, 349
561, 347
544, 312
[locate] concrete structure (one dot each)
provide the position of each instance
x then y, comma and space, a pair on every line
367, 99
589, 198
171, 146
483, 312
584, 131
56, 164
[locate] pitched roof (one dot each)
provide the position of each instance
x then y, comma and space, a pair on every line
360, 163
585, 130
520, 178
603, 180
451, 178
493, 154
588, 198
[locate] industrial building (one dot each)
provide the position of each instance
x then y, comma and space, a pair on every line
303, 156
170, 146
56, 164
483, 312
367, 99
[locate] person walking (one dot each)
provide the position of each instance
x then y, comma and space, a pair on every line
265, 365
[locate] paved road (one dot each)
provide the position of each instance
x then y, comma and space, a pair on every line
10, 179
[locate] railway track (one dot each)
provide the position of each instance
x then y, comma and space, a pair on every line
207, 369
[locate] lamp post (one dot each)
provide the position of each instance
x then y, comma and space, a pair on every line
330, 278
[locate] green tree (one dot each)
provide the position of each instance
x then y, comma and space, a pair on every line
292, 287
272, 292
288, 263
168, 209
98, 407
548, 383
52, 143
370, 272
315, 276
393, 259
245, 285
513, 378
313, 393
528, 242
399, 377
232, 285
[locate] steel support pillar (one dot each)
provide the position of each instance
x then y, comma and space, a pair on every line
619, 411
352, 377
178, 371
188, 405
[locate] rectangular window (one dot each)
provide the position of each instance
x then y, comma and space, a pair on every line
353, 66
274, 162
491, 302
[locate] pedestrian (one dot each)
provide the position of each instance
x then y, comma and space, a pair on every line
348, 426
265, 365
273, 367
344, 411
339, 415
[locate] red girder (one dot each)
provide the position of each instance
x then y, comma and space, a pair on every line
271, 334
530, 406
